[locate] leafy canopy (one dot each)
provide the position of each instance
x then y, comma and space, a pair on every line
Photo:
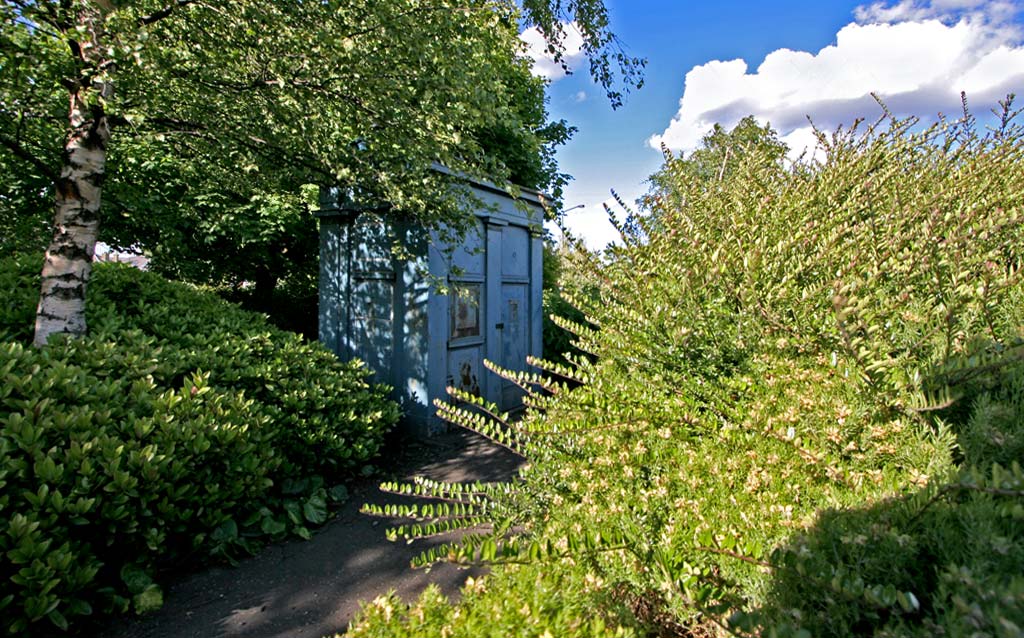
720, 154
216, 104
222, 110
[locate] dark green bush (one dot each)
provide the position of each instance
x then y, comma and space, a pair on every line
293, 306
802, 414
180, 428
561, 280
18, 277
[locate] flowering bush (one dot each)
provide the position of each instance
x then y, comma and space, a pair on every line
803, 413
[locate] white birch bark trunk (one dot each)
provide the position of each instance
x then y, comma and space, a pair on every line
68, 263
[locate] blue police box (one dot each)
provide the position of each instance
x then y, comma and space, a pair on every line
426, 316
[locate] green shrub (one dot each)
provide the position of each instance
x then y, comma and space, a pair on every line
180, 428
105, 471
525, 602
945, 561
562, 281
800, 387
18, 278
330, 420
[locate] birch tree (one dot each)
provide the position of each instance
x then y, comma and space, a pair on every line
354, 92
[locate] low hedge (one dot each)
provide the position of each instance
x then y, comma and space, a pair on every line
180, 428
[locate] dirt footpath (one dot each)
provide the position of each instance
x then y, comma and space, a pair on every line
313, 588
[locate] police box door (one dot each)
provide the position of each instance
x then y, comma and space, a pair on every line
514, 333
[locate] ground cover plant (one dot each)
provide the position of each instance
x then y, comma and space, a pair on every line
801, 414
180, 428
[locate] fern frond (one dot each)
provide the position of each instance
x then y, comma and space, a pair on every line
480, 403
427, 511
527, 381
497, 549
467, 494
460, 552
932, 401
569, 373
417, 531
477, 488
537, 403
502, 435
579, 363
580, 330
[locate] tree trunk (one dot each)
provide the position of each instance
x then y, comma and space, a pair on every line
263, 291
76, 224
68, 262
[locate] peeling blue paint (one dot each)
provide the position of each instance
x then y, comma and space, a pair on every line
390, 312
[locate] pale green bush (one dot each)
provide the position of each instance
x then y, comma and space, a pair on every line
802, 379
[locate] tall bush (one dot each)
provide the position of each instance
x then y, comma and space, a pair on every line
801, 413
561, 282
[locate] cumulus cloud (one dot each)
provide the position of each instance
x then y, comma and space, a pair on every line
544, 64
591, 224
917, 57
995, 12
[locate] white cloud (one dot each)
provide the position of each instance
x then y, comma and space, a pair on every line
544, 64
581, 97
590, 222
592, 226
802, 140
999, 12
917, 57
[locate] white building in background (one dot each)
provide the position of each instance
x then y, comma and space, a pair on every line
105, 253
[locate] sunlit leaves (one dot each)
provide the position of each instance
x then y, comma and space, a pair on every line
801, 401
222, 111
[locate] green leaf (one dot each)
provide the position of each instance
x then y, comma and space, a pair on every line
225, 532
315, 510
272, 526
58, 619
294, 487
148, 601
294, 511
135, 578
339, 494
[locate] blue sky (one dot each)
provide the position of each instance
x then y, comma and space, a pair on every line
823, 59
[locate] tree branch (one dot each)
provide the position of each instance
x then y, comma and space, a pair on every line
165, 12
21, 152
945, 490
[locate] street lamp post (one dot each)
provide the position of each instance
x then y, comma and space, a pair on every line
561, 219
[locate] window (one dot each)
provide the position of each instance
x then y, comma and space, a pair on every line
465, 311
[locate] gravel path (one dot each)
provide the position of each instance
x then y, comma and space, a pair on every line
313, 588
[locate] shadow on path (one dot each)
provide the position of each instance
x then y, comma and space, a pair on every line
313, 588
